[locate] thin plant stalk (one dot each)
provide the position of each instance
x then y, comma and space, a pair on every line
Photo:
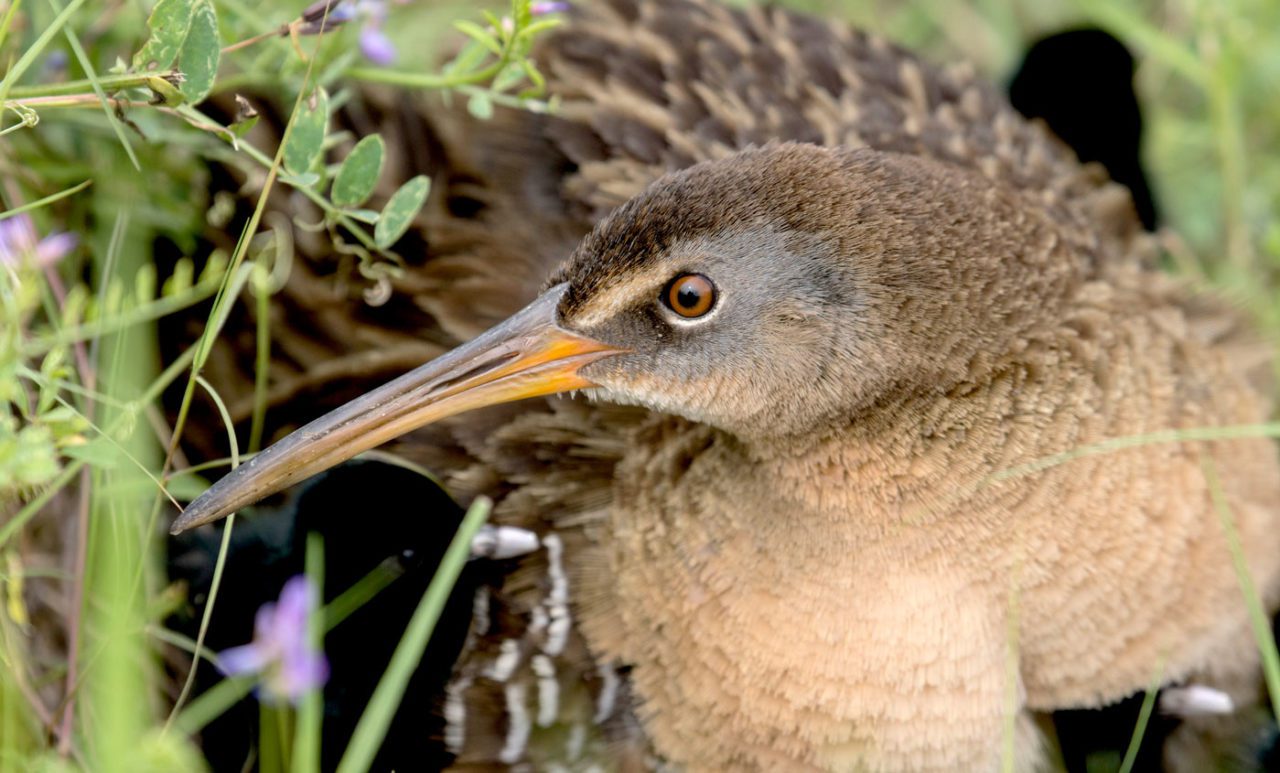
373, 724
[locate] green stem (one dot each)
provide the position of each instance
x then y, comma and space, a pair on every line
46, 200
386, 697
283, 741
360, 593
1144, 716
1259, 618
423, 80
70, 100
31, 54
305, 749
213, 703
108, 83
8, 20
86, 64
1228, 130
194, 115
268, 741
263, 365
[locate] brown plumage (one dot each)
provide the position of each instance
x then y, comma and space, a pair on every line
825, 536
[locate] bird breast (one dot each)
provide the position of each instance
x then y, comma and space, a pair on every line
949, 563
759, 649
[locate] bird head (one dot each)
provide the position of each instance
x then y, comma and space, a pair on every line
788, 287
767, 294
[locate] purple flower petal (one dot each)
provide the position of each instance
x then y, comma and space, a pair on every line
238, 661
280, 651
54, 248
289, 628
376, 46
264, 621
269, 634
299, 673
17, 238
375, 11
345, 12
538, 9
296, 599
55, 62
326, 8
18, 243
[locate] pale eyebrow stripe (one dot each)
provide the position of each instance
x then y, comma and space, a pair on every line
605, 303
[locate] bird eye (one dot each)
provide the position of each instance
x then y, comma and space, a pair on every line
691, 295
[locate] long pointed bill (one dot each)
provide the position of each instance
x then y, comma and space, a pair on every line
526, 356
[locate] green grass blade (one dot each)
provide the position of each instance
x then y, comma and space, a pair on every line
87, 66
1129, 24
7, 22
1144, 716
359, 594
262, 363
29, 56
213, 703
306, 734
1258, 617
221, 561
8, 213
386, 698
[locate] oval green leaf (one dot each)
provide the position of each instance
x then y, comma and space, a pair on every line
306, 138
168, 22
28, 457
305, 180
359, 172
480, 35
199, 58
480, 105
99, 452
369, 216
400, 211
509, 76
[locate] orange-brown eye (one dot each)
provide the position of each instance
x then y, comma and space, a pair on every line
691, 295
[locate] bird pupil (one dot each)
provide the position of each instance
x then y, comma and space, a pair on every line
689, 296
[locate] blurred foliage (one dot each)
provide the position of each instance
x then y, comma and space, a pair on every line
106, 147
1208, 78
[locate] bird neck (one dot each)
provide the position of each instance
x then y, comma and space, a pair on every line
859, 481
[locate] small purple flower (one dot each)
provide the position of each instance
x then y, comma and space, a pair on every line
539, 9
324, 16
343, 13
19, 243
337, 12
55, 63
374, 43
376, 46
280, 653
